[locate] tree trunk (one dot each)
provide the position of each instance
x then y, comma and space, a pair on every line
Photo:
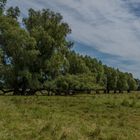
115, 91
105, 91
31, 92
24, 86
23, 91
108, 91
128, 91
48, 92
16, 92
97, 91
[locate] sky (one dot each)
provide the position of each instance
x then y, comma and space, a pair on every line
106, 29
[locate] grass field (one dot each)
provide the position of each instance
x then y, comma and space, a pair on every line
84, 117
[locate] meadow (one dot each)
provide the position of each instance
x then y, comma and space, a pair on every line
81, 117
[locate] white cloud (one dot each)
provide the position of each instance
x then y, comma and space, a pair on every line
107, 25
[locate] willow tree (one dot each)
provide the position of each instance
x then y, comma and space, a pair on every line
34, 54
50, 33
38, 57
122, 84
76, 64
132, 84
19, 53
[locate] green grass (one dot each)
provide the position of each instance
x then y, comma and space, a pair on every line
84, 117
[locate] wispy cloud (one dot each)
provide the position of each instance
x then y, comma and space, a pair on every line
110, 26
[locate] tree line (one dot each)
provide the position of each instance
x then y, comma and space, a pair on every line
35, 55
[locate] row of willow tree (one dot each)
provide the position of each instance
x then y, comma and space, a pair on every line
35, 55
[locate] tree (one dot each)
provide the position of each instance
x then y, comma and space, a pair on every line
39, 57
76, 64
132, 85
76, 83
111, 79
35, 55
57, 65
95, 67
50, 33
138, 84
2, 6
122, 82
13, 12
19, 54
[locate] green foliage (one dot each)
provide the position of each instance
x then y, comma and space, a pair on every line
77, 82
19, 49
13, 12
2, 6
77, 64
39, 57
132, 85
111, 78
95, 67
138, 84
122, 82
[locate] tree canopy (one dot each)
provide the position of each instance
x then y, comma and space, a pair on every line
39, 57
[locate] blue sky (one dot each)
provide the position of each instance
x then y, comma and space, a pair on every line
106, 29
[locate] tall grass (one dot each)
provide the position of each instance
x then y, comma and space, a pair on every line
83, 117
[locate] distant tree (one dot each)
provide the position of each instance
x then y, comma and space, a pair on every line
76, 64
138, 84
13, 12
132, 85
2, 6
96, 68
76, 83
122, 84
111, 79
